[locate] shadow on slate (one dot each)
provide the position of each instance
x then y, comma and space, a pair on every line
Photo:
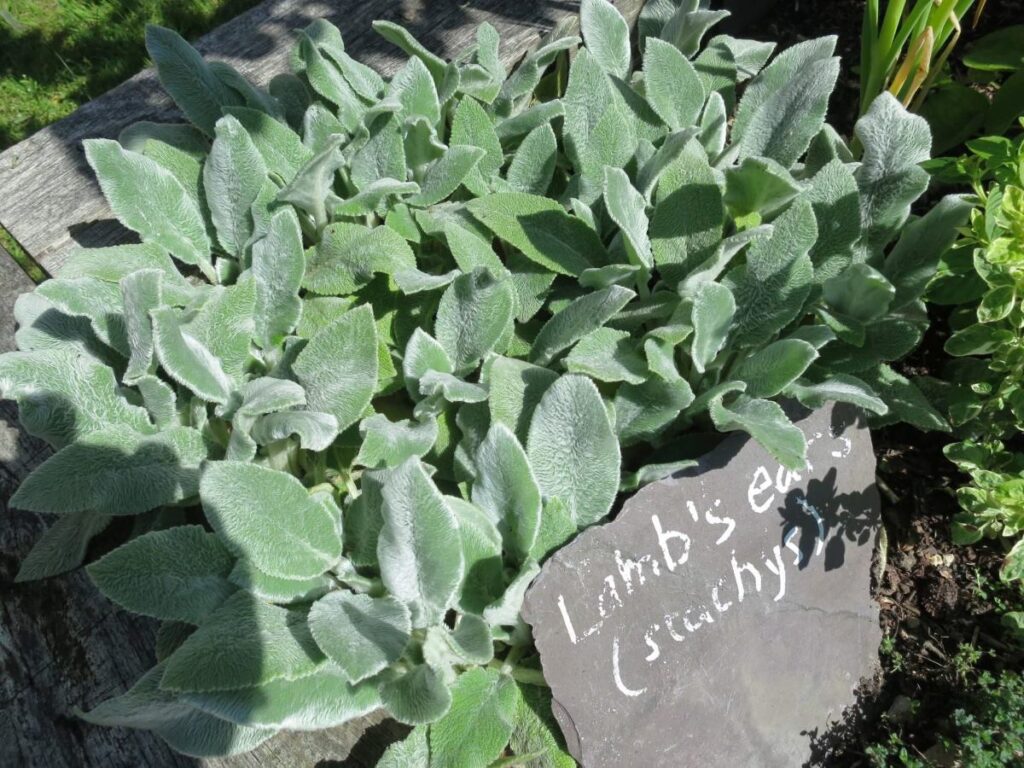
724, 618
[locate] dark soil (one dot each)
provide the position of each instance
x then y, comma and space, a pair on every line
940, 603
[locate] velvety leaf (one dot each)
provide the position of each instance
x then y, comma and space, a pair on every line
278, 266
889, 176
268, 517
504, 612
183, 727
179, 574
507, 490
607, 355
62, 546
348, 256
478, 726
573, 450
673, 88
714, 308
324, 699
767, 423
583, 315
627, 208
281, 148
773, 368
606, 36
445, 175
771, 289
244, 643
389, 443
905, 401
472, 127
474, 314
361, 634
533, 164
542, 230
315, 430
63, 396
484, 578
344, 390
140, 292
226, 325
758, 185
913, 261
147, 199
233, 175
274, 589
644, 410
784, 106
116, 262
834, 196
187, 78
419, 696
515, 389
116, 471
412, 752
418, 549
93, 299
186, 360
840, 388
860, 292
534, 729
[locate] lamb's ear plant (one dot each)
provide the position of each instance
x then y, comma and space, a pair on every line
387, 344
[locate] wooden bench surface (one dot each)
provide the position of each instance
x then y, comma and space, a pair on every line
62, 645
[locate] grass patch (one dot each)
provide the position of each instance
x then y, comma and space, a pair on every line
26, 262
58, 54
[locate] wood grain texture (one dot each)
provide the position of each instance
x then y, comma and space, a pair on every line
58, 204
63, 646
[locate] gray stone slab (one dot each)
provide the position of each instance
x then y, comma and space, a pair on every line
724, 618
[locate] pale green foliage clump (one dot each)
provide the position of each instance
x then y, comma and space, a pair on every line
386, 345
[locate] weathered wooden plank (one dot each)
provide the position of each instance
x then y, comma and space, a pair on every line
62, 646
58, 205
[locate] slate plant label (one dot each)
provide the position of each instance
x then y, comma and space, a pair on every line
724, 618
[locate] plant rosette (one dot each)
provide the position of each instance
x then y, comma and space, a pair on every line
386, 345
